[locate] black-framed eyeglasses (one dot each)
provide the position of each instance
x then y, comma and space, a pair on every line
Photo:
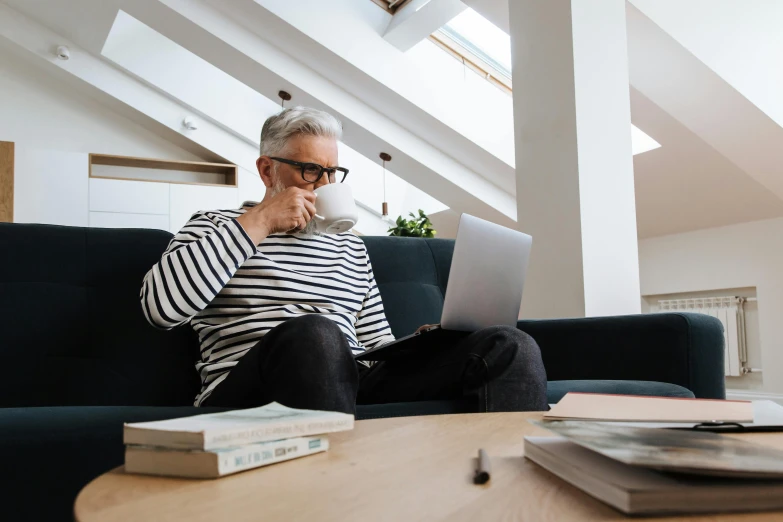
312, 172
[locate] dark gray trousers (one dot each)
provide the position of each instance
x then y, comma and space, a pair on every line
307, 363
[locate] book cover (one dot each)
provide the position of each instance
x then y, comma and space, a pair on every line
236, 428
630, 408
640, 491
219, 462
675, 451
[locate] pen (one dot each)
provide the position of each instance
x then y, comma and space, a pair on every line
482, 469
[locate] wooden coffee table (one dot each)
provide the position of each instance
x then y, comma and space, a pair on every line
408, 468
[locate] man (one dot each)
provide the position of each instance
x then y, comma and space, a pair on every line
280, 310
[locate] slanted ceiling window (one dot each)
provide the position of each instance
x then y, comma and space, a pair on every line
473, 60
479, 45
390, 5
457, 38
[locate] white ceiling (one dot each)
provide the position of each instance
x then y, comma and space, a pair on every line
684, 185
687, 184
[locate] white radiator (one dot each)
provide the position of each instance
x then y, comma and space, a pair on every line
731, 312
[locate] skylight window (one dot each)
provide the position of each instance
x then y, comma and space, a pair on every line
486, 49
483, 38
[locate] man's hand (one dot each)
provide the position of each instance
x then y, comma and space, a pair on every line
426, 327
290, 210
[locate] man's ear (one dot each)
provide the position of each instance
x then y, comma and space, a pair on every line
265, 166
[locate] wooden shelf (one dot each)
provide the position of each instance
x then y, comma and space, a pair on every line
224, 174
6, 181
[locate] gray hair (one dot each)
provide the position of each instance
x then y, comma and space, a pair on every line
281, 127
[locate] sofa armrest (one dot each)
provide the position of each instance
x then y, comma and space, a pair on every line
678, 348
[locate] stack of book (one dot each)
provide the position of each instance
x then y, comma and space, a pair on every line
217, 444
643, 470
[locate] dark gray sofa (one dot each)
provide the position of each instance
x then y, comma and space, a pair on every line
79, 358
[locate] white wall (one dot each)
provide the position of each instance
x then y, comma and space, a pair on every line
744, 256
741, 41
54, 127
50, 187
38, 112
445, 223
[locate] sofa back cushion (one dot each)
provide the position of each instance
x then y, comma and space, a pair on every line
411, 274
71, 327
72, 331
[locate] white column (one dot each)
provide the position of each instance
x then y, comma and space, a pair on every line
575, 187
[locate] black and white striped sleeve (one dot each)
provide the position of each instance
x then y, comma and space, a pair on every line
372, 328
198, 263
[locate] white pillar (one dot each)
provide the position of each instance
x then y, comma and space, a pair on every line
575, 186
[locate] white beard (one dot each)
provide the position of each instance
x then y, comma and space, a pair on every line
309, 230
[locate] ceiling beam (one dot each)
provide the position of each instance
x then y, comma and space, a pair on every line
372, 71
678, 82
231, 47
123, 94
496, 11
418, 19
142, 102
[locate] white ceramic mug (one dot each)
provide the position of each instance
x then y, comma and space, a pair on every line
335, 209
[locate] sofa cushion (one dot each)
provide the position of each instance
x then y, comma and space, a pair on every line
80, 335
56, 451
557, 389
412, 274
681, 348
59, 450
73, 329
412, 409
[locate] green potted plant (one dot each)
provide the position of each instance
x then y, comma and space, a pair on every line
417, 226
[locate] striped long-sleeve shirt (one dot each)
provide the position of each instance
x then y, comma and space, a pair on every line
232, 292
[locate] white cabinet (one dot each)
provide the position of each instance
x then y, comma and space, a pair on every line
135, 197
127, 220
54, 187
50, 187
186, 200
128, 204
251, 188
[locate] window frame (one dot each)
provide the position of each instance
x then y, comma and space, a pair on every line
384, 4
472, 60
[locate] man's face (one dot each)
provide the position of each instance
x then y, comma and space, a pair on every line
278, 176
305, 149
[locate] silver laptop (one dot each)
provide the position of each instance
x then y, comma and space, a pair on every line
485, 283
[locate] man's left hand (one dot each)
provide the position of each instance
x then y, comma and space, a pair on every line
426, 327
